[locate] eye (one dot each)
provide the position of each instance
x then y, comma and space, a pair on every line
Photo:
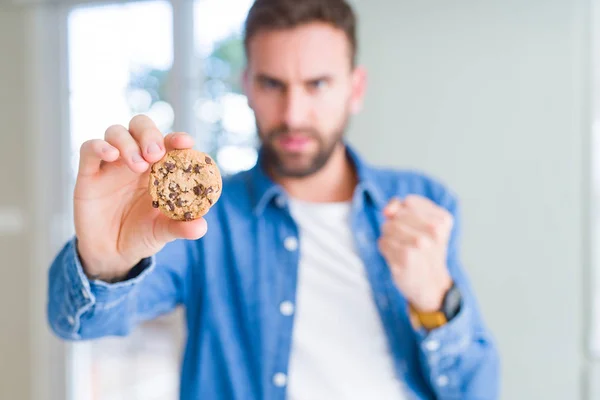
317, 84
268, 83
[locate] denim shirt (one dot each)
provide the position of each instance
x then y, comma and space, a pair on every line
232, 281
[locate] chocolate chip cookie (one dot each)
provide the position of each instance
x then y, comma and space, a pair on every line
184, 184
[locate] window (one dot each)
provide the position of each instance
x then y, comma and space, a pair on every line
123, 60
118, 69
222, 110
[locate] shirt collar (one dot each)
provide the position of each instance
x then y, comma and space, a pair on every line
265, 190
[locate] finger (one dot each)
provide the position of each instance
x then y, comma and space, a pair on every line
417, 204
406, 235
423, 206
93, 153
424, 224
178, 140
435, 228
392, 208
149, 138
191, 230
440, 218
167, 230
397, 255
394, 253
387, 246
120, 138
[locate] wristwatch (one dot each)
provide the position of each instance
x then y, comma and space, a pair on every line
430, 320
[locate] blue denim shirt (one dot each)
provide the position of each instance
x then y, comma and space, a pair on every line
232, 281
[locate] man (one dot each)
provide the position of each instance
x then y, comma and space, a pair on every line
315, 275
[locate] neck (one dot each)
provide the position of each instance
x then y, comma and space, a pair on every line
334, 182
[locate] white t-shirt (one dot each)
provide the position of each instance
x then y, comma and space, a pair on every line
339, 348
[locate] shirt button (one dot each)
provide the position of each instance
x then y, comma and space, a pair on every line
432, 345
286, 308
70, 320
442, 380
290, 243
279, 379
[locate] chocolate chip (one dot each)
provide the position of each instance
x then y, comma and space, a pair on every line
172, 195
188, 169
180, 203
187, 216
170, 204
198, 190
173, 186
156, 182
197, 168
207, 160
169, 166
155, 204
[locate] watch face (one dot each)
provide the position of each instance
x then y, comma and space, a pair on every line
452, 302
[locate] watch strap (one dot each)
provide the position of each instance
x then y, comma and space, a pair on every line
451, 305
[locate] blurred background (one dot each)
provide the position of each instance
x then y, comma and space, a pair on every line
498, 99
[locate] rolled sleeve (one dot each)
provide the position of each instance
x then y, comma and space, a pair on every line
72, 294
450, 339
444, 348
460, 358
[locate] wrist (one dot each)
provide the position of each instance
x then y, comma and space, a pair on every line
102, 268
450, 306
432, 300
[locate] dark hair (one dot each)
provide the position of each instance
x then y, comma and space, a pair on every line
265, 15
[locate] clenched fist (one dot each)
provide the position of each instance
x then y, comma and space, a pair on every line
414, 242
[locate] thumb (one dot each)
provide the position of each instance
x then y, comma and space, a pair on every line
168, 230
392, 208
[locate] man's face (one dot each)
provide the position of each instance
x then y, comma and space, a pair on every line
302, 88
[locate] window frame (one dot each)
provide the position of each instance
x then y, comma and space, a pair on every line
591, 307
49, 109
64, 368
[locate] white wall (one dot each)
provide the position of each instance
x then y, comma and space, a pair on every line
15, 259
492, 97
32, 361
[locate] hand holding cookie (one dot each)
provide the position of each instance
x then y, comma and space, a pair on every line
116, 222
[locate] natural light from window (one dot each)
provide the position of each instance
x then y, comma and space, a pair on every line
120, 59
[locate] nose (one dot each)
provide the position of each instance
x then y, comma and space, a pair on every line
297, 107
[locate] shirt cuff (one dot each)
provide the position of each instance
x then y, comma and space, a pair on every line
85, 292
452, 338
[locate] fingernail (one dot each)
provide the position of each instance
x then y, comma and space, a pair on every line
153, 148
136, 158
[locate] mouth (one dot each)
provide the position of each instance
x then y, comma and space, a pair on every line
294, 143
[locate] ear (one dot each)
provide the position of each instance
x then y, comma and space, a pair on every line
359, 87
246, 86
